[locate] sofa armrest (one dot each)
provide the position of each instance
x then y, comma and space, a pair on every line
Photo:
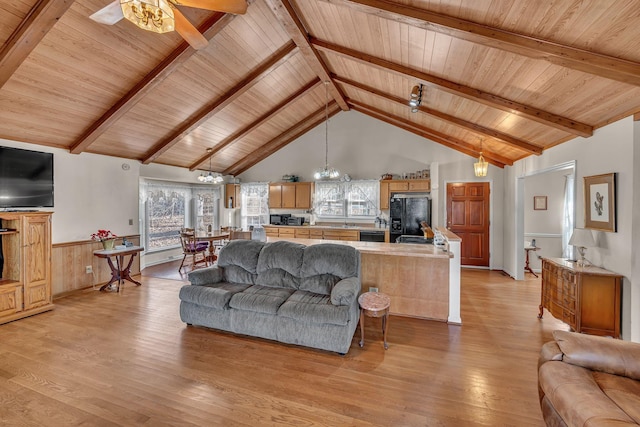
602, 354
206, 276
550, 351
345, 291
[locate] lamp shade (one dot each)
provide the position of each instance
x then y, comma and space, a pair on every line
582, 238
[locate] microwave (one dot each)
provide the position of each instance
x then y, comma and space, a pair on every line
279, 219
294, 220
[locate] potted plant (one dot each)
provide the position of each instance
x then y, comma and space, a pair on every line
106, 237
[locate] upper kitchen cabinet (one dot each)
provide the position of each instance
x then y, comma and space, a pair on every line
397, 185
232, 190
290, 195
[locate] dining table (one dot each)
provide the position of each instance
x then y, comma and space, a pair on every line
212, 237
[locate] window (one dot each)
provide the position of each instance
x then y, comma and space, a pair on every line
170, 206
254, 209
355, 199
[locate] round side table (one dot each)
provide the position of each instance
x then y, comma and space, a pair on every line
374, 304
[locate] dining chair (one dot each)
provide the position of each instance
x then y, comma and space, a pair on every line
191, 247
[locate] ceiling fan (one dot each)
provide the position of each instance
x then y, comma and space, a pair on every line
161, 16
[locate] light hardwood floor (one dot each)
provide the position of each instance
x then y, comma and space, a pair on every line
104, 359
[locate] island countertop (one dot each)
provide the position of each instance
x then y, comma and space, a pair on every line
378, 248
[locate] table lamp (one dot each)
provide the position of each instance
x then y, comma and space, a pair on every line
582, 239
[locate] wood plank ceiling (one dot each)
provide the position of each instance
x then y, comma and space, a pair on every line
508, 78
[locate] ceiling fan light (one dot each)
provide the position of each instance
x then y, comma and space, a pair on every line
150, 15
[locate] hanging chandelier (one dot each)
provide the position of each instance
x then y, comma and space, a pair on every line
481, 167
211, 177
326, 172
150, 15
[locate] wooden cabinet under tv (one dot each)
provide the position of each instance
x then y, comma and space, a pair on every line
25, 286
586, 298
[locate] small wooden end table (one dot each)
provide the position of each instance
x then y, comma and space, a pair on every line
527, 267
374, 304
120, 272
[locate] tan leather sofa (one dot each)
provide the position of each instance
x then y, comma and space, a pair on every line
584, 380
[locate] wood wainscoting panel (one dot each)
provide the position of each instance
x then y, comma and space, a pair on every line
418, 286
69, 261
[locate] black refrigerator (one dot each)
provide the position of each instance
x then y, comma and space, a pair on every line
406, 212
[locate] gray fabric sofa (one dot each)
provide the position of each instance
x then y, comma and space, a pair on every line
284, 291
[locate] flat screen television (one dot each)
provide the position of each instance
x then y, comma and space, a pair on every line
26, 178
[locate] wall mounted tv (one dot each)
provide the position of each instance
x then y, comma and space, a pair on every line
26, 178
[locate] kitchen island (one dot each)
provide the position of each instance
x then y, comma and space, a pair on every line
422, 280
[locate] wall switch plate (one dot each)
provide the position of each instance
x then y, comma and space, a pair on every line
371, 289
88, 269
130, 222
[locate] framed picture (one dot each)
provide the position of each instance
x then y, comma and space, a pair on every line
600, 202
540, 203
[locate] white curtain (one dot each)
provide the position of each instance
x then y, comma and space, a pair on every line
254, 207
567, 217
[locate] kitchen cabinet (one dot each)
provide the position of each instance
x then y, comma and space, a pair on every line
25, 286
232, 190
396, 185
290, 195
384, 194
586, 298
310, 232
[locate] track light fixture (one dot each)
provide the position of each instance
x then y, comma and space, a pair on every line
415, 99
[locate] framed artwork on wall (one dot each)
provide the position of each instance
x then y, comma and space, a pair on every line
540, 203
600, 202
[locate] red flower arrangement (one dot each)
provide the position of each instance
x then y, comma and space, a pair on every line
103, 235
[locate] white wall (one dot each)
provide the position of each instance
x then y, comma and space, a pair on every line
545, 226
610, 149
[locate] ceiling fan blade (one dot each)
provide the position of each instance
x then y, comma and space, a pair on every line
188, 31
238, 7
109, 14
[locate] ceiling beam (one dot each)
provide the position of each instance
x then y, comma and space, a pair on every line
280, 141
474, 127
170, 64
208, 111
438, 137
566, 56
40, 19
477, 95
256, 123
290, 21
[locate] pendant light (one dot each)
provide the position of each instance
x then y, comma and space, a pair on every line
481, 167
211, 178
327, 172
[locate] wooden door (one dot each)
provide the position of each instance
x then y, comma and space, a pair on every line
37, 261
468, 217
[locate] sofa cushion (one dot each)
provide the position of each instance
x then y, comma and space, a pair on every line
279, 264
261, 299
325, 264
215, 295
311, 307
600, 354
574, 393
624, 392
330, 258
239, 259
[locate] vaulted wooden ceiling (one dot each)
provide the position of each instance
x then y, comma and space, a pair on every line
510, 78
